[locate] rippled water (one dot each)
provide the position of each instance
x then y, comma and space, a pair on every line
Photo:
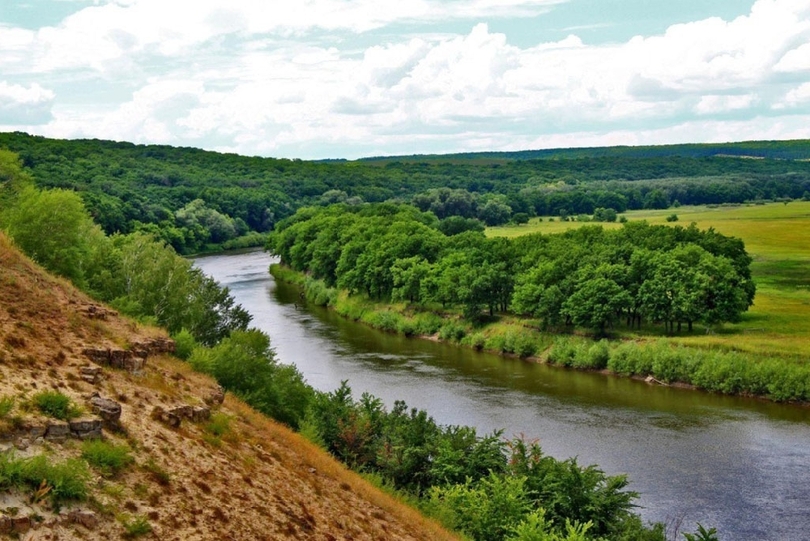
741, 465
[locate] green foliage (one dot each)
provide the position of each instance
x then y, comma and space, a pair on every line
219, 425
106, 457
245, 364
487, 510
184, 344
702, 534
137, 526
590, 278
452, 331
6, 405
55, 404
535, 527
672, 218
60, 481
53, 228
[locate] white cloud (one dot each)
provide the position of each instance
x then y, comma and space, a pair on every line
797, 96
712, 104
255, 76
21, 106
797, 59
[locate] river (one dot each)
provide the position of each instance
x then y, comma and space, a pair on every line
741, 465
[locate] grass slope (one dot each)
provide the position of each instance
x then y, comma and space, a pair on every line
238, 476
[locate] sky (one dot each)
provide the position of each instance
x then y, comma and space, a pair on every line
315, 79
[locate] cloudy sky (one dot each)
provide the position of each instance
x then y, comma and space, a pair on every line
351, 78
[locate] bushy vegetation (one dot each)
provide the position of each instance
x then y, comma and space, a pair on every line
727, 372
55, 404
244, 364
108, 458
485, 487
58, 481
589, 277
136, 273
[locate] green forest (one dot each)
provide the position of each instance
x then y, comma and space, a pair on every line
590, 277
198, 200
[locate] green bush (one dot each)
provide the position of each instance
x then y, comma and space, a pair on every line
184, 344
6, 405
452, 331
62, 481
384, 320
486, 510
476, 340
428, 323
245, 364
136, 526
109, 459
55, 404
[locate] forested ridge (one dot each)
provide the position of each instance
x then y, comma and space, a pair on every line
194, 199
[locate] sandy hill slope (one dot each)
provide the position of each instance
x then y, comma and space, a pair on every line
202, 469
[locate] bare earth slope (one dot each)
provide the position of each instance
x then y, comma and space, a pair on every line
253, 480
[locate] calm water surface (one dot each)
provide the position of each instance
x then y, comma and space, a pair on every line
738, 464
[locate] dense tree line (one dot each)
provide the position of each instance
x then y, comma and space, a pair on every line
136, 273
588, 277
192, 198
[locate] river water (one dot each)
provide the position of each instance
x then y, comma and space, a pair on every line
741, 465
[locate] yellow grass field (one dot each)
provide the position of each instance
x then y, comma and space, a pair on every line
778, 238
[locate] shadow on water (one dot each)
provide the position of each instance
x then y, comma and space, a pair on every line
736, 463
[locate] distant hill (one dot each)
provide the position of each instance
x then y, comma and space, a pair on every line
777, 150
198, 200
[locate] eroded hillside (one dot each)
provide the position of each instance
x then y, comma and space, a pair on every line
195, 467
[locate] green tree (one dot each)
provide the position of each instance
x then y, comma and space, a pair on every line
54, 229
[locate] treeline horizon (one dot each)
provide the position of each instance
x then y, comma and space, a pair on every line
198, 200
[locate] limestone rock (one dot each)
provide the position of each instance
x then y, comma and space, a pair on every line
57, 431
108, 410
86, 428
215, 397
90, 374
86, 518
166, 417
200, 413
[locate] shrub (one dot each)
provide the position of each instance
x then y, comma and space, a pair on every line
6, 405
55, 404
245, 364
452, 331
60, 481
136, 526
184, 344
385, 320
428, 323
489, 509
109, 459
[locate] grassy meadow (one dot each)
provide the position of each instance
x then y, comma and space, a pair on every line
777, 236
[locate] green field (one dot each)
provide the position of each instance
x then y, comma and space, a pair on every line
777, 236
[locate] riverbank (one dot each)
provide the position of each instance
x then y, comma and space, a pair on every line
714, 369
